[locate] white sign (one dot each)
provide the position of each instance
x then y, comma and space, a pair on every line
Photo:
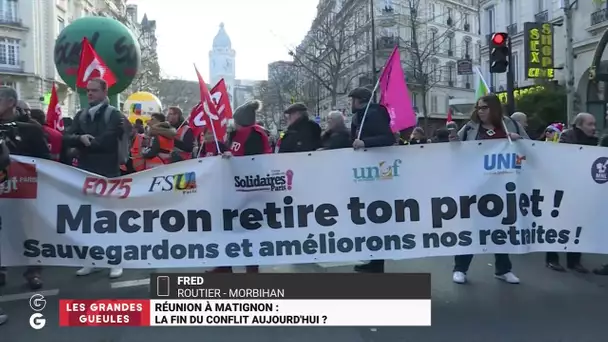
328, 206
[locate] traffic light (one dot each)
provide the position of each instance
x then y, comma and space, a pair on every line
499, 53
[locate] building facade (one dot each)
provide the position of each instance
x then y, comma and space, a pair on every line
222, 62
443, 32
589, 22
28, 29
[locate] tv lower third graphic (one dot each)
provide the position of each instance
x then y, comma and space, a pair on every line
264, 300
37, 304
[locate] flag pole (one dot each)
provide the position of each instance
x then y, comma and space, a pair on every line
367, 108
217, 144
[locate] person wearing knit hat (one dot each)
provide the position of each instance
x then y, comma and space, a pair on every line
302, 134
553, 132
247, 139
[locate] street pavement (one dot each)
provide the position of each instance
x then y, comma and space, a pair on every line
546, 307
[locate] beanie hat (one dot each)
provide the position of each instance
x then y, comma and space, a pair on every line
245, 115
555, 127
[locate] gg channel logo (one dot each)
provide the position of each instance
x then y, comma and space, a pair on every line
37, 304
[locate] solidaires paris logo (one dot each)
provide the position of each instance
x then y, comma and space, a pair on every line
275, 180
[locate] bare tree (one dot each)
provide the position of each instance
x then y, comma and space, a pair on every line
285, 85
149, 75
270, 115
424, 70
176, 92
326, 52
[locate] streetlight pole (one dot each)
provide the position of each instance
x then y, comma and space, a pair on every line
569, 61
373, 28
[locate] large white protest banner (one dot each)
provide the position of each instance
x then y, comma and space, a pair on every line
327, 206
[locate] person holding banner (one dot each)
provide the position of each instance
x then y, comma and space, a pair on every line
96, 133
582, 133
248, 139
488, 122
370, 127
207, 145
183, 145
302, 134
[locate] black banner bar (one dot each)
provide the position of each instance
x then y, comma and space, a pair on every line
290, 286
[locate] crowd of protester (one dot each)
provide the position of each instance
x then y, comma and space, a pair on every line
100, 139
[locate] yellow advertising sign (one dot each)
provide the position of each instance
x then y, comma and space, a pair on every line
539, 58
519, 92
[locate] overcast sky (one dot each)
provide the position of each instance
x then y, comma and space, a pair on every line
260, 30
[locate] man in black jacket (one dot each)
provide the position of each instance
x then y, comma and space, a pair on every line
375, 132
376, 129
32, 144
302, 134
96, 137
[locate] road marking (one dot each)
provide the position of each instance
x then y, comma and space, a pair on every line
339, 264
130, 283
27, 295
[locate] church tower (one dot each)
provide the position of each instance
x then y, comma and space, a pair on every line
221, 62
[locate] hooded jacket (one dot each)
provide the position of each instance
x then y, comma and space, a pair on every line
163, 130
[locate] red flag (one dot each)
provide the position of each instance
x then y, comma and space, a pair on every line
221, 99
449, 119
53, 113
206, 114
92, 66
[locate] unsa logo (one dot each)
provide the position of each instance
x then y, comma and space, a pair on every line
599, 170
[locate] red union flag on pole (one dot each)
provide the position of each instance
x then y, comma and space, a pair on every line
395, 96
92, 66
221, 99
53, 112
206, 114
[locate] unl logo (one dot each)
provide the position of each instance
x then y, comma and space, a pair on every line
21, 181
102, 187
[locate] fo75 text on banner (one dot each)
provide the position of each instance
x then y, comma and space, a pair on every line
264, 300
461, 198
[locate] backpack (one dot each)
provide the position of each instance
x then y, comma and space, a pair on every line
123, 141
468, 127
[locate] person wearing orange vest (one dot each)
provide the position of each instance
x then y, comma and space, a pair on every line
161, 142
184, 139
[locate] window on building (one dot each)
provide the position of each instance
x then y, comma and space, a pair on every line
490, 19
434, 104
8, 84
60, 24
450, 74
451, 44
450, 13
431, 11
435, 74
8, 10
433, 40
540, 6
466, 48
511, 13
466, 20
9, 52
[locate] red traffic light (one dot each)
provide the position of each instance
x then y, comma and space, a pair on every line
499, 38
